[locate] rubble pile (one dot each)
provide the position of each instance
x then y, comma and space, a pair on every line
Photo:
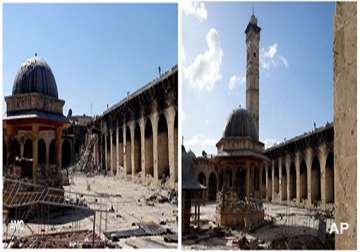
79, 239
160, 197
297, 242
86, 162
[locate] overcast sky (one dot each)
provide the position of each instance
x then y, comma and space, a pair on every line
295, 68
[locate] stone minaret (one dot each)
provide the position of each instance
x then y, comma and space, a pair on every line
252, 69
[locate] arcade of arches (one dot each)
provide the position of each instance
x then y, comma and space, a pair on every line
138, 136
21, 146
300, 173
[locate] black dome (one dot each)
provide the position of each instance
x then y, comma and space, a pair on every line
241, 124
35, 76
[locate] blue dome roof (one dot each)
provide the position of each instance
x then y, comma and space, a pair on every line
35, 76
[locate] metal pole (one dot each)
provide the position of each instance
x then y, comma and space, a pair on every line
106, 215
93, 242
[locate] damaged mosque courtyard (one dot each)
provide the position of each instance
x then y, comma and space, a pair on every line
81, 181
284, 197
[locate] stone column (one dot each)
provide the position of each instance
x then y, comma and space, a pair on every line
22, 147
142, 144
248, 171
267, 180
10, 132
47, 158
111, 152
117, 149
308, 160
58, 149
298, 181
273, 180
100, 154
96, 153
154, 123
124, 148
34, 138
287, 165
322, 161
260, 181
170, 118
206, 192
280, 180
106, 155
132, 140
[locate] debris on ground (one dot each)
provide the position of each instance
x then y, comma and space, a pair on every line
143, 229
171, 238
297, 242
156, 197
78, 239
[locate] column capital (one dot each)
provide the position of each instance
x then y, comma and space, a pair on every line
170, 99
323, 151
308, 156
141, 121
154, 118
131, 125
35, 128
287, 161
154, 107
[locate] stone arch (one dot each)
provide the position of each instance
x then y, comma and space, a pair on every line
221, 180
121, 147
15, 150
212, 187
66, 153
269, 184
4, 154
137, 148
52, 157
240, 181
163, 147
263, 183
283, 183
41, 152
329, 179
128, 150
202, 180
102, 151
303, 180
28, 150
149, 154
256, 179
176, 145
276, 179
77, 147
292, 181
315, 181
108, 150
113, 152
229, 177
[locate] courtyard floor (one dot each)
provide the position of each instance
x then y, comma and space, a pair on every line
298, 224
130, 204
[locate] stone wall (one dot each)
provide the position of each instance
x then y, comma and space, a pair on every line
345, 121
